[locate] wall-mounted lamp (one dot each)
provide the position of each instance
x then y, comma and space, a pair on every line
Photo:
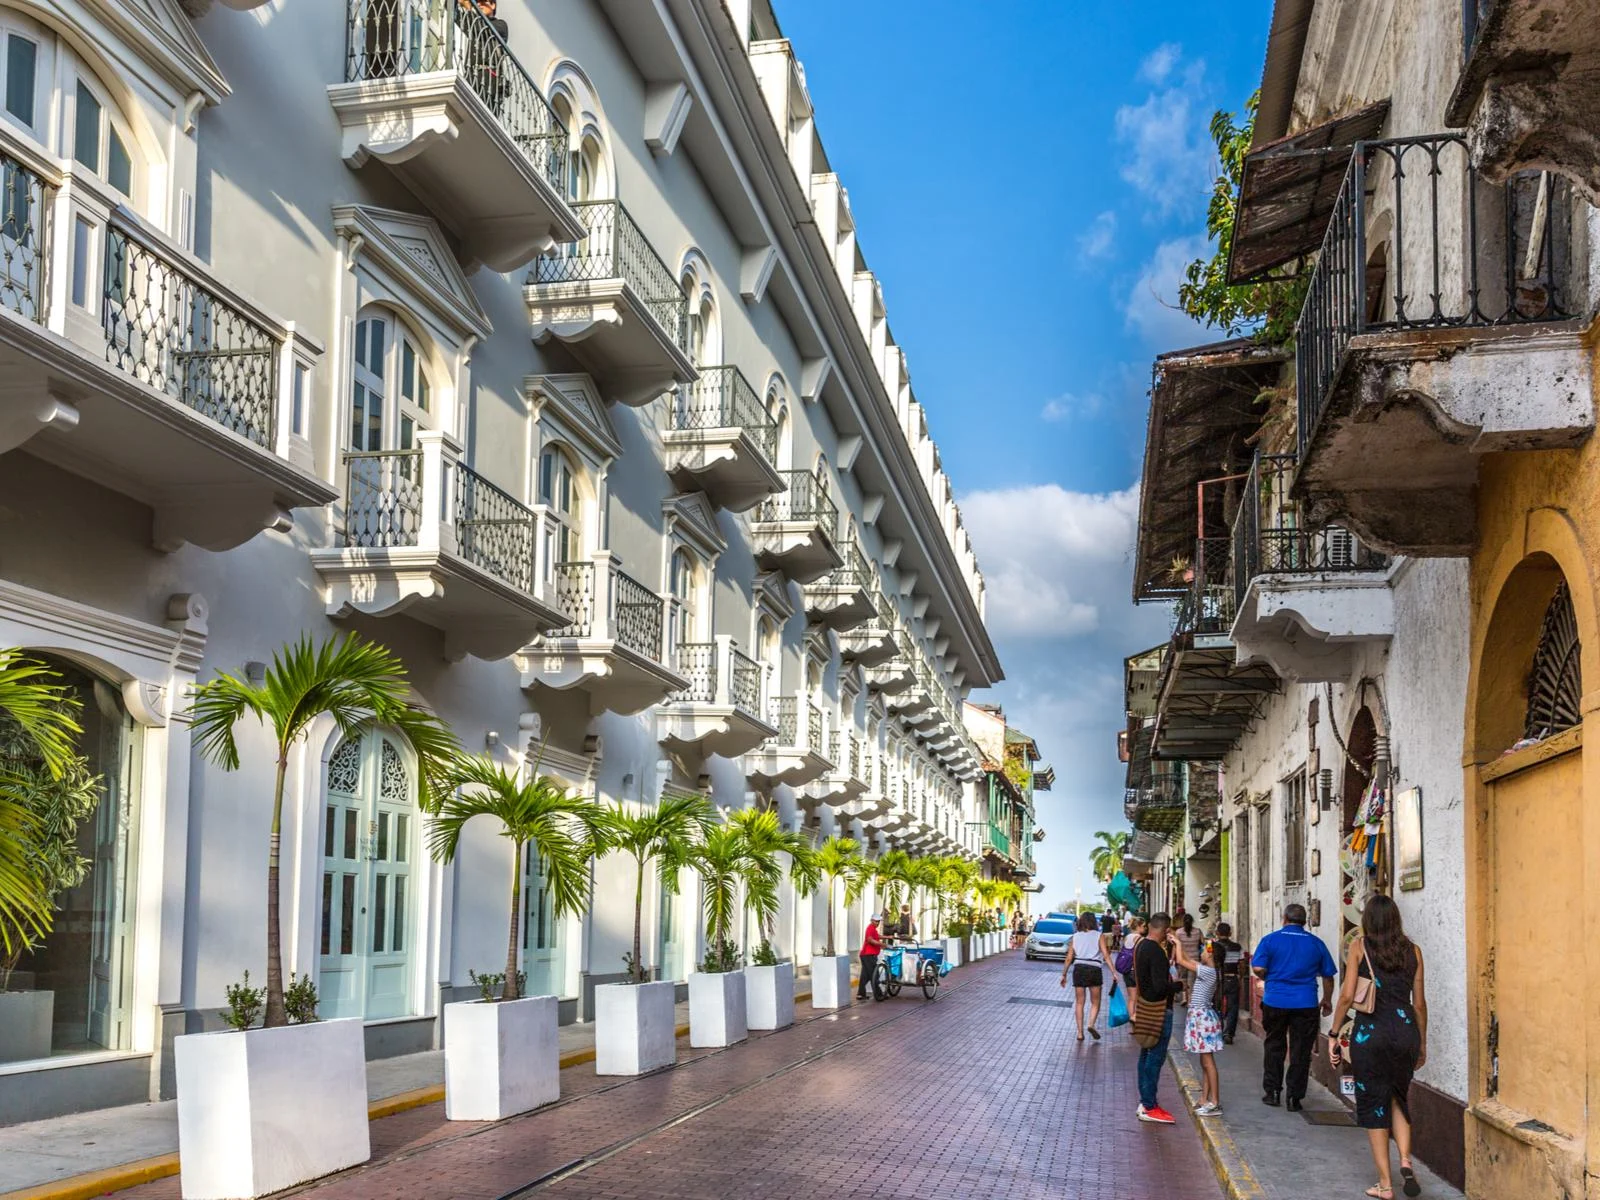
491, 739
255, 673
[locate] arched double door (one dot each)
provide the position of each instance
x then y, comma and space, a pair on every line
369, 890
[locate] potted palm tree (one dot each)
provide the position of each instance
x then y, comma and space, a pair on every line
501, 1055
956, 877
717, 1014
46, 791
769, 983
635, 1029
248, 1124
838, 858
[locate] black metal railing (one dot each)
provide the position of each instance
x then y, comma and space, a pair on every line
164, 327
814, 728
637, 616
388, 39
697, 662
806, 499
1206, 607
573, 584
852, 574
383, 499
1271, 538
614, 248
784, 715
25, 201
1418, 241
494, 530
744, 682
722, 398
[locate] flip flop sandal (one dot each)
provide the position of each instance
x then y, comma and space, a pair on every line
1378, 1192
1409, 1184
1094, 1033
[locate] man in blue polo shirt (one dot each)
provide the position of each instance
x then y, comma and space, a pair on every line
1291, 961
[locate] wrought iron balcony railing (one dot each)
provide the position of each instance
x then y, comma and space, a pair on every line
390, 39
494, 530
25, 202
784, 716
806, 499
814, 728
1206, 608
1442, 262
633, 615
722, 398
744, 682
1269, 539
697, 662
719, 673
615, 248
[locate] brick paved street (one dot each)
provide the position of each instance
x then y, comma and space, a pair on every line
974, 1095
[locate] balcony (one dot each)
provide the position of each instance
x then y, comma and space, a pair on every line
843, 598
1305, 599
612, 299
898, 673
722, 440
795, 531
872, 642
1436, 329
433, 92
795, 755
842, 784
612, 644
1526, 95
425, 535
130, 364
719, 712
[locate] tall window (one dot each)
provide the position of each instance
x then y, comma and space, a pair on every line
558, 492
1294, 828
685, 591
583, 152
97, 143
1263, 848
388, 373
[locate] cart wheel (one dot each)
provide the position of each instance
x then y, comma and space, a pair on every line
930, 980
892, 986
880, 977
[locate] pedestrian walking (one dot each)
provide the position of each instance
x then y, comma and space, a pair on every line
1155, 988
1202, 1031
1230, 978
1086, 960
1291, 960
1124, 959
871, 947
1388, 1038
1189, 939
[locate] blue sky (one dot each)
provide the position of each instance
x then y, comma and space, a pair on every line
1029, 178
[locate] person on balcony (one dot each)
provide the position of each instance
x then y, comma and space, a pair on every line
484, 36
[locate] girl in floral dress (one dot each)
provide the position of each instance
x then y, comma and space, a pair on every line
1202, 1035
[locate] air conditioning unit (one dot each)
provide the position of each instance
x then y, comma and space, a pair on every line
1340, 548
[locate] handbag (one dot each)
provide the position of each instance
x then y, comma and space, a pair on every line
1149, 1019
1366, 998
1124, 962
1117, 1008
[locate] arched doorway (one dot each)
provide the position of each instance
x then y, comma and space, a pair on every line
369, 897
1356, 882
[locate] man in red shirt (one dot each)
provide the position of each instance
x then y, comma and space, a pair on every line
871, 947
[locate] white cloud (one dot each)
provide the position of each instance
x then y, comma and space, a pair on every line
1158, 64
1151, 307
1169, 158
1070, 407
1097, 241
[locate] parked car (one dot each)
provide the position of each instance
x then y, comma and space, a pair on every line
1050, 938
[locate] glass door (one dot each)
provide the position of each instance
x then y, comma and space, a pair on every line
112, 933
542, 940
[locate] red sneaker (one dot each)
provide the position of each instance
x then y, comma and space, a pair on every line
1157, 1116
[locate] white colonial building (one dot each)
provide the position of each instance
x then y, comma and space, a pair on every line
551, 363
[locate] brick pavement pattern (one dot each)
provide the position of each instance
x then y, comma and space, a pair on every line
973, 1095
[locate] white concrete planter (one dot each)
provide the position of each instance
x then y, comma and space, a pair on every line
266, 1109
635, 1028
769, 996
500, 1058
25, 1022
830, 981
717, 1014
952, 951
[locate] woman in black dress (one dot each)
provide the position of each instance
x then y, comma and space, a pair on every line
1387, 1044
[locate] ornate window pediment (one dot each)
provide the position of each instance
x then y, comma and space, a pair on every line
159, 31
407, 256
692, 521
571, 408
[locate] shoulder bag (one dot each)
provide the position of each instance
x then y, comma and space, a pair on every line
1366, 998
1149, 1018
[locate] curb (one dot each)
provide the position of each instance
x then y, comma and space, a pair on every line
1234, 1172
94, 1184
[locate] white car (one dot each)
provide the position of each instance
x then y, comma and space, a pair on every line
1050, 938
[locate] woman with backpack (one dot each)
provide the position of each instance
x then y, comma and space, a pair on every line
1124, 959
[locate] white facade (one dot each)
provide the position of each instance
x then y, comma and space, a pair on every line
575, 532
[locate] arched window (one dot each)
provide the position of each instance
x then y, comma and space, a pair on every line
389, 397
1555, 685
588, 177
685, 586
558, 492
703, 331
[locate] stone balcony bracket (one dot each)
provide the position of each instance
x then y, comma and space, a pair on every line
1309, 627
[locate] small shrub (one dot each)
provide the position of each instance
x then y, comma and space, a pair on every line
300, 999
764, 955
490, 985
244, 1004
721, 955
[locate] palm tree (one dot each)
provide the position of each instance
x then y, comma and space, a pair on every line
892, 872
1106, 857
725, 864
956, 879
989, 893
354, 681
667, 834
840, 858
537, 814
46, 716
923, 878
767, 842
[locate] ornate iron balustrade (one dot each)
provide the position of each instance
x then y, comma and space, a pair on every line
1207, 607
636, 616
853, 574
814, 727
383, 499
574, 595
744, 682
1268, 538
1439, 265
164, 327
784, 715
633, 612
614, 248
390, 39
697, 662
722, 398
494, 530
25, 203
806, 499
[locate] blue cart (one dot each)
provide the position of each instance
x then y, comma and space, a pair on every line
921, 966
